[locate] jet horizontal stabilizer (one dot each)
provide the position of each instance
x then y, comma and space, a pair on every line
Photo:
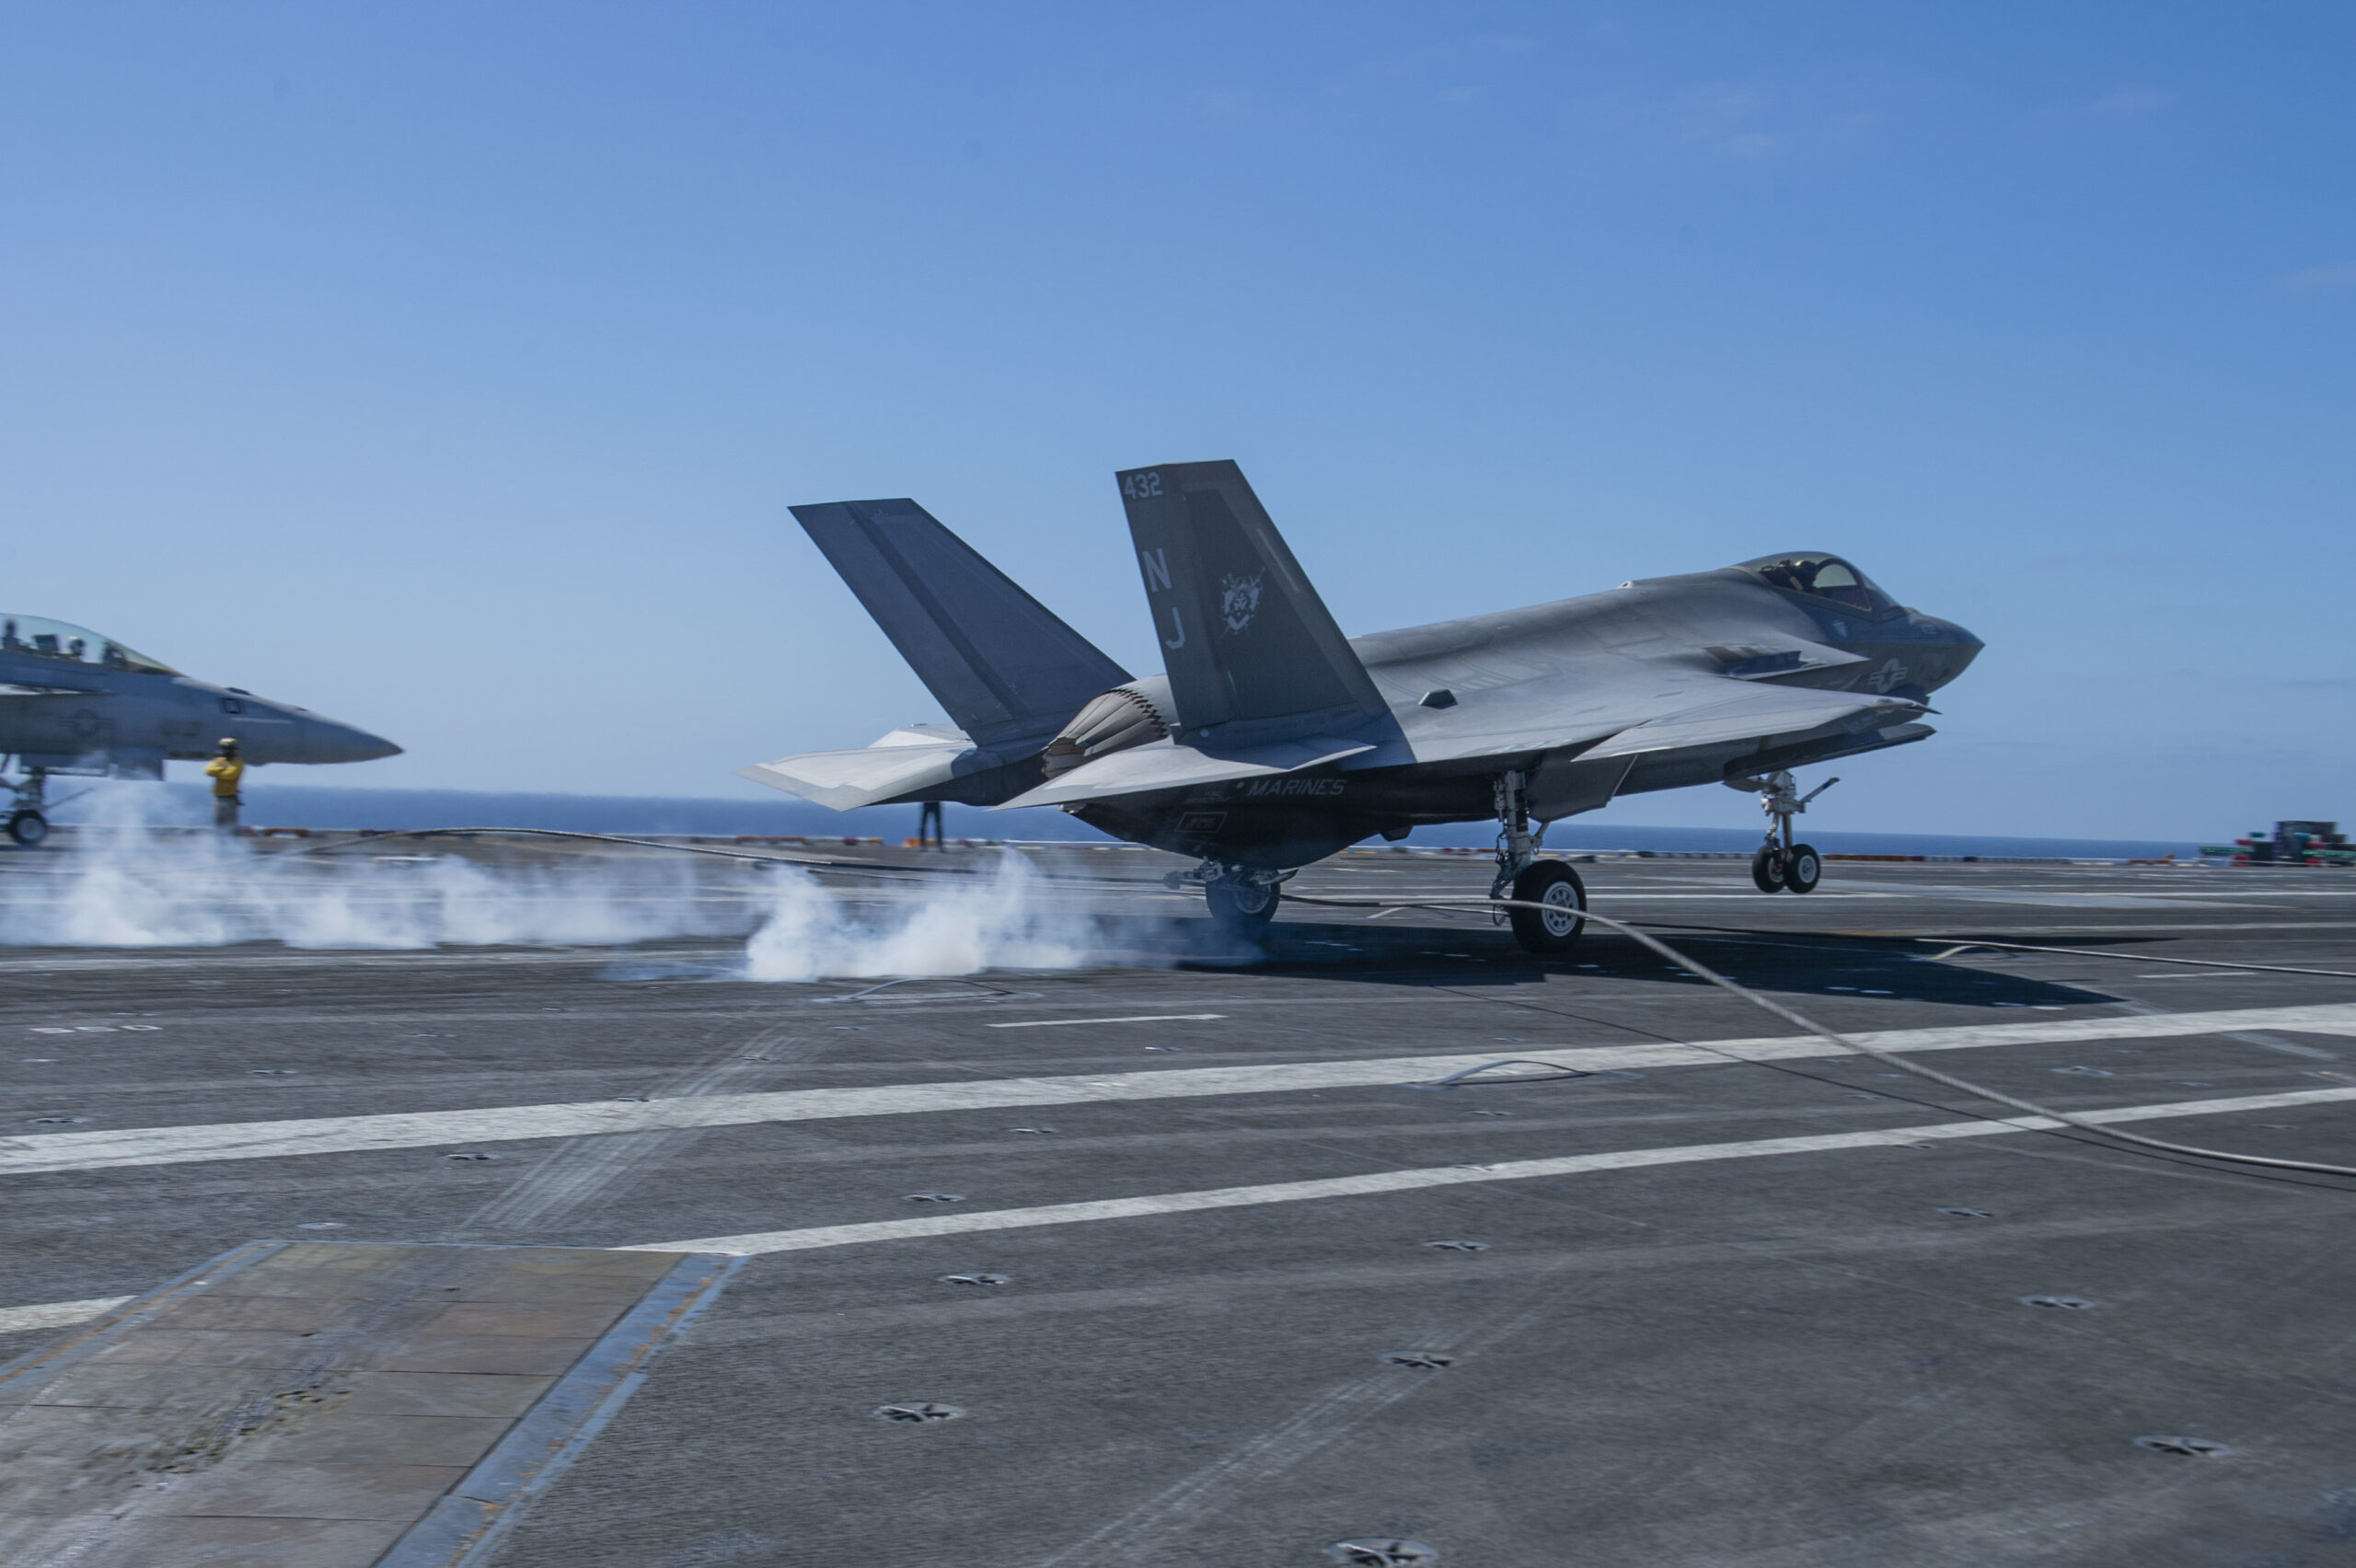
1006, 668
842, 779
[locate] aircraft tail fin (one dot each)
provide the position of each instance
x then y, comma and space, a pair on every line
1252, 649
1003, 665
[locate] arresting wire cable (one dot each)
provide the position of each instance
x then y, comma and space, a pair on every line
1963, 945
1952, 945
1887, 1058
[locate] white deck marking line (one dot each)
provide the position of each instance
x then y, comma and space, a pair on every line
1451, 1175
99, 1149
1139, 1018
56, 1314
59, 1314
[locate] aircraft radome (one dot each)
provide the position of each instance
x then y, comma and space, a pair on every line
1272, 740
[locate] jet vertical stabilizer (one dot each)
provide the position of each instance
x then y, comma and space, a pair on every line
1254, 654
1007, 669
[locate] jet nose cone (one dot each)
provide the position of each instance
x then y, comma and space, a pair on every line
349, 745
326, 740
1947, 631
1945, 651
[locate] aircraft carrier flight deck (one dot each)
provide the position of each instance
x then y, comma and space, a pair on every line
1185, 1254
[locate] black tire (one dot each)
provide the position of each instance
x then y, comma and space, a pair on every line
1541, 930
1803, 868
28, 828
1240, 907
1767, 868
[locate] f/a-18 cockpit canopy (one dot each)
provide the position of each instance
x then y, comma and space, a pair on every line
55, 640
1823, 577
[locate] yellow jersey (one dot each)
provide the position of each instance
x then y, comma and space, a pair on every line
225, 772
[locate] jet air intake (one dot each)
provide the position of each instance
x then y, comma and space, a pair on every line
1126, 716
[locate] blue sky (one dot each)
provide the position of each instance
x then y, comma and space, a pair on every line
448, 368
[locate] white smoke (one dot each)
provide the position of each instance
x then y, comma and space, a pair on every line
1008, 918
119, 881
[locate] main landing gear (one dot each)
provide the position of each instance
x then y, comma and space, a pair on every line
1780, 863
26, 825
1521, 875
1241, 899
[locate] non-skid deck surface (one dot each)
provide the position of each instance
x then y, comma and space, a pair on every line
314, 1403
1174, 1256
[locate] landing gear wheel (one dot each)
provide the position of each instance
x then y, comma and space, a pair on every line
1240, 907
1554, 929
1767, 869
1803, 868
28, 828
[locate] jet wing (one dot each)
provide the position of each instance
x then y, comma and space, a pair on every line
1617, 712
1164, 765
1758, 714
1735, 711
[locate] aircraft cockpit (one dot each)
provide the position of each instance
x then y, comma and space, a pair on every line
1824, 577
55, 640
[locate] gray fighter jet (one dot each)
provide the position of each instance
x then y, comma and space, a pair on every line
75, 702
1273, 740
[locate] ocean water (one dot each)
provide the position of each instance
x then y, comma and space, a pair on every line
299, 805
286, 806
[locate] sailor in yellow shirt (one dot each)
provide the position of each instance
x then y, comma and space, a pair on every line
226, 771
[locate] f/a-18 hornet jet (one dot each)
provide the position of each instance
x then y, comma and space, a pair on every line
75, 702
1272, 740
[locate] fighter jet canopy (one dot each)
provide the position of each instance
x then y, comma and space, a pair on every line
56, 639
1823, 577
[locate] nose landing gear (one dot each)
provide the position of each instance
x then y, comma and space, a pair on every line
1780, 862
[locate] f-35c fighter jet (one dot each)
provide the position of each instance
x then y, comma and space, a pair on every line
1272, 740
75, 702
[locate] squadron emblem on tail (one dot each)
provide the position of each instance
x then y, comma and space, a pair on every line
1238, 601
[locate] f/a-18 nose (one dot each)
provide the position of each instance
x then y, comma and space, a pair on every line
279, 732
294, 734
328, 740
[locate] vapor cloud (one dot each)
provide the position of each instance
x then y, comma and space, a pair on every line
123, 882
